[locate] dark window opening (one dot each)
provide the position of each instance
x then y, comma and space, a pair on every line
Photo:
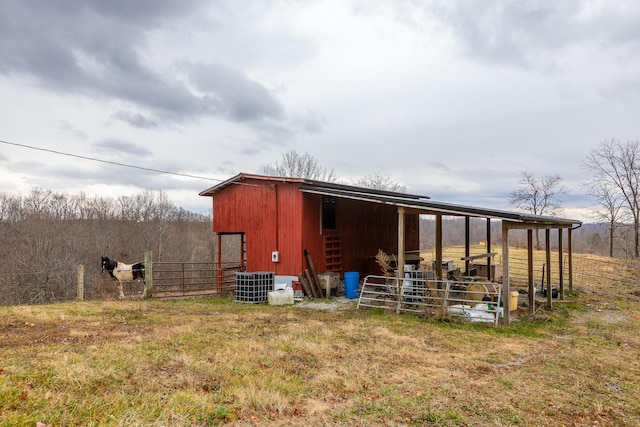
328, 213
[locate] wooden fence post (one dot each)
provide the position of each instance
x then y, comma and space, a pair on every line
148, 274
80, 283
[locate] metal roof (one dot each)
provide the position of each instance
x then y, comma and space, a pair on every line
413, 202
435, 207
243, 178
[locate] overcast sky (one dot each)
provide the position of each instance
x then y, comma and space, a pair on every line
453, 99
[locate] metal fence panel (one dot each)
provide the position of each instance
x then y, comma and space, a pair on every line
475, 301
194, 280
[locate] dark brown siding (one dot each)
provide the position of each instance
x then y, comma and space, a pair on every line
312, 239
362, 228
367, 227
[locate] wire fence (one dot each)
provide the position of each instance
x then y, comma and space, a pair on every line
610, 276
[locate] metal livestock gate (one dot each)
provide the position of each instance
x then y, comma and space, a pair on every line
194, 279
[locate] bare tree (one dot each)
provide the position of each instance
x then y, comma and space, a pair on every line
10, 207
126, 208
296, 165
101, 207
618, 165
380, 181
538, 196
608, 208
37, 202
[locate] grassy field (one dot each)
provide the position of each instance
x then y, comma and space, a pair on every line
196, 363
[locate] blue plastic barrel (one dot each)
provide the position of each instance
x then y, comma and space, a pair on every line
351, 283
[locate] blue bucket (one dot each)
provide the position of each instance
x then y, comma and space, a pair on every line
351, 283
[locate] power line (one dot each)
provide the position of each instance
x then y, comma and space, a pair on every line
31, 147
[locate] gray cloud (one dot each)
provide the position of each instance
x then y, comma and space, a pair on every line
94, 48
87, 48
119, 147
241, 98
310, 121
68, 129
136, 119
536, 34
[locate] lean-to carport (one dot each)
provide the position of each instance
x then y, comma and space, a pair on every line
509, 220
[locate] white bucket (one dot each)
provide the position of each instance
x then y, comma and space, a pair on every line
280, 297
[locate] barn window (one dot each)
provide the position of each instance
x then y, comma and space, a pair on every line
328, 213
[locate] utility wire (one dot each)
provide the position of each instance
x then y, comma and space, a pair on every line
31, 147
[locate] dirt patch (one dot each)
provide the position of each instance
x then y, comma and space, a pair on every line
20, 333
336, 304
605, 313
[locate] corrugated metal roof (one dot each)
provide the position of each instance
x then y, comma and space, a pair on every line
243, 178
414, 202
434, 207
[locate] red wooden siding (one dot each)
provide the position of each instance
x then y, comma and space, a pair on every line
277, 216
269, 215
289, 233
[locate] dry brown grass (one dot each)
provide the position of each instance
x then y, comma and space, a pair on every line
207, 363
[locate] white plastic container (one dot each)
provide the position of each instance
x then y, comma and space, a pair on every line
280, 297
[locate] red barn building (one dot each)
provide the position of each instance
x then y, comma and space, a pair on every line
279, 218
343, 227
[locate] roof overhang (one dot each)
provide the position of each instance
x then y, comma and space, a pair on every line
432, 207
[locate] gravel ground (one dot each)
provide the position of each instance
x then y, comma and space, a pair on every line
334, 304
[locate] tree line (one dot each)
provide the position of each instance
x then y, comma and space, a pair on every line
45, 236
45, 204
